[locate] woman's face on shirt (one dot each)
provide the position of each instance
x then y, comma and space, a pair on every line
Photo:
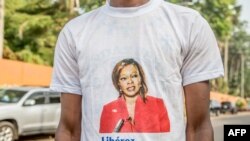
130, 81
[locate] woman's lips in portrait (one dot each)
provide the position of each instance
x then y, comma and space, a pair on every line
132, 88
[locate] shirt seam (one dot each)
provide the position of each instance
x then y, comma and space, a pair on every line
200, 74
63, 87
105, 12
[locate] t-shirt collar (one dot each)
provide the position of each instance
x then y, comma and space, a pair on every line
130, 11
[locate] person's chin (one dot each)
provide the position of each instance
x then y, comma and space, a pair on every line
131, 94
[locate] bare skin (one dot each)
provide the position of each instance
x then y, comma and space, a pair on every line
69, 128
199, 126
127, 3
131, 110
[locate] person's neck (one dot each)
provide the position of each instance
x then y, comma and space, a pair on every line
127, 3
131, 100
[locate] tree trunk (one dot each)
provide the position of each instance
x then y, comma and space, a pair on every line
226, 60
242, 92
1, 27
73, 4
231, 65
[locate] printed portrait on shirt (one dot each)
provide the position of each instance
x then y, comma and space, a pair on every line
134, 110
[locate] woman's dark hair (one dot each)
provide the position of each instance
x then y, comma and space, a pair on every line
116, 74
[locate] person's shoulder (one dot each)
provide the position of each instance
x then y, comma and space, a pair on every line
180, 10
79, 22
185, 21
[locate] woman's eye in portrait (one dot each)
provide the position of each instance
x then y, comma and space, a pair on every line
123, 78
134, 75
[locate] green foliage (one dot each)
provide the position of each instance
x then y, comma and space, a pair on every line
9, 54
239, 104
88, 5
219, 85
31, 29
28, 56
175, 1
239, 46
221, 15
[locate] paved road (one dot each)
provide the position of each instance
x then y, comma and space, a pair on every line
219, 122
37, 138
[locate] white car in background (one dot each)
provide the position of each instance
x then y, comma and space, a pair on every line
28, 111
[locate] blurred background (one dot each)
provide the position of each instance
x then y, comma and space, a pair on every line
28, 33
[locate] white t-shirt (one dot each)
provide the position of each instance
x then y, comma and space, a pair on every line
174, 46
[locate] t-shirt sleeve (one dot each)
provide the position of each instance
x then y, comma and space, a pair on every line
202, 60
65, 76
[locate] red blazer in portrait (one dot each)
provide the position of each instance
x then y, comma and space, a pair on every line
150, 117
